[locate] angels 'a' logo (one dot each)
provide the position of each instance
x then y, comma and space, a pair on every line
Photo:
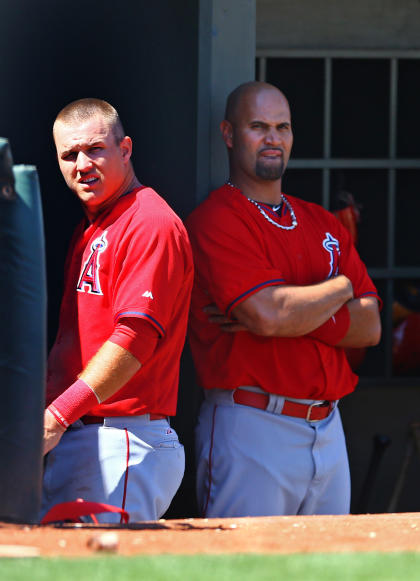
89, 276
332, 246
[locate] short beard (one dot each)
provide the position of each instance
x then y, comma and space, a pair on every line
270, 172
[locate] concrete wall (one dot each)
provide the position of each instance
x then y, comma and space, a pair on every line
338, 24
233, 63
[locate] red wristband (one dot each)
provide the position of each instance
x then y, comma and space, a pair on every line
333, 330
73, 403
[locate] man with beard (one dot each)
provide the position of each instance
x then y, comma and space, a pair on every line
279, 292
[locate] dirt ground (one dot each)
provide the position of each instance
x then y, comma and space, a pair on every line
288, 534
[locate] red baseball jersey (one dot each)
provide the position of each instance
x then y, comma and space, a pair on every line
238, 252
134, 260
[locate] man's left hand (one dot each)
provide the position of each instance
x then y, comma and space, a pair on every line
53, 431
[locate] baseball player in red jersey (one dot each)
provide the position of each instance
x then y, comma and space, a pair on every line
279, 292
113, 369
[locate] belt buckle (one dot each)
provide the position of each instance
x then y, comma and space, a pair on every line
312, 405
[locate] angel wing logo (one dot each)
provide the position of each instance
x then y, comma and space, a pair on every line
332, 246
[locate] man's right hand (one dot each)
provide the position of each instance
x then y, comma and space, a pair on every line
53, 431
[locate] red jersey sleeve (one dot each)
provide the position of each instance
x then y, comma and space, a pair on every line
150, 270
352, 266
137, 336
230, 259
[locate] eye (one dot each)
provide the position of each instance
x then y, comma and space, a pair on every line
95, 149
69, 156
257, 125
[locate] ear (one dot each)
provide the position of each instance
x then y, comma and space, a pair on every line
227, 133
126, 148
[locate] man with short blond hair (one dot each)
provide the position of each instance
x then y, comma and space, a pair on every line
113, 370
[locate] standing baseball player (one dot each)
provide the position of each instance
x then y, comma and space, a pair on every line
113, 370
279, 291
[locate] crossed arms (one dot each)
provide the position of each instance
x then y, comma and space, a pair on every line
294, 311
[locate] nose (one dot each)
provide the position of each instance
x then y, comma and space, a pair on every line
273, 137
83, 162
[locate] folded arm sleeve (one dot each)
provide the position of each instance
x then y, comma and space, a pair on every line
152, 266
136, 335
